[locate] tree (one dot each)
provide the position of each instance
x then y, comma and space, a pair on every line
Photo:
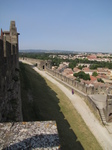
80, 67
82, 75
94, 66
72, 64
100, 80
94, 74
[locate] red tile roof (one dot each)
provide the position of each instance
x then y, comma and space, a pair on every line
85, 69
93, 78
76, 69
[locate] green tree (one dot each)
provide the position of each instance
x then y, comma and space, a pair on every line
82, 75
80, 67
100, 80
72, 64
94, 74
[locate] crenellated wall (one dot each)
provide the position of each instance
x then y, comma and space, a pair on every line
84, 91
9, 75
78, 85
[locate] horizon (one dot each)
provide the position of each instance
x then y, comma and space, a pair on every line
60, 25
61, 51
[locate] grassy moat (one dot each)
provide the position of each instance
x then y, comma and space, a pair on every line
42, 101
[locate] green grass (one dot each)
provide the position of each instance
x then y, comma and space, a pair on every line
42, 101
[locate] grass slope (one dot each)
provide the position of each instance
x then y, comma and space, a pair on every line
42, 101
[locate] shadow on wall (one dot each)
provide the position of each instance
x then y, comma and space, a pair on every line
8, 71
42, 104
50, 141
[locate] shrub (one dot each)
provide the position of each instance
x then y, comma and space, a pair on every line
82, 75
94, 74
100, 80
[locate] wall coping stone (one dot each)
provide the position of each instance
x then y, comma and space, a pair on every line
28, 135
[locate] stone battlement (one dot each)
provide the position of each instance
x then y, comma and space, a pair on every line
78, 85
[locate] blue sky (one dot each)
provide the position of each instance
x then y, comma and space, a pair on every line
79, 25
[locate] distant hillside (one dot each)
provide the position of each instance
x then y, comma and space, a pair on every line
46, 51
56, 51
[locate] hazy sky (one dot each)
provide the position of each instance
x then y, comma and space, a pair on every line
79, 25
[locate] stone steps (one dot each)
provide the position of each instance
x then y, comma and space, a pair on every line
102, 116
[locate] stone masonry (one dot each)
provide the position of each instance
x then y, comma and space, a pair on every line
9, 75
29, 135
108, 110
41, 64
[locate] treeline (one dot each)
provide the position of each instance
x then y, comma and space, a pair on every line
93, 64
101, 65
43, 56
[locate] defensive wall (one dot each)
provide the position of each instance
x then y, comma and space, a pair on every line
9, 75
46, 64
81, 89
78, 85
84, 91
41, 64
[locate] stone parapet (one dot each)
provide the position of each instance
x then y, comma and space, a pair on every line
29, 135
80, 86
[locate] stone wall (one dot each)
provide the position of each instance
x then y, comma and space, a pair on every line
108, 110
37, 135
80, 88
9, 76
78, 85
41, 64
46, 65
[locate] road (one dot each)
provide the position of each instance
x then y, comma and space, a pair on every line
98, 130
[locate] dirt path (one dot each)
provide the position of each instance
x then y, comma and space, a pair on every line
99, 131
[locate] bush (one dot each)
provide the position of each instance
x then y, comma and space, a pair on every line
100, 80
82, 75
94, 74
